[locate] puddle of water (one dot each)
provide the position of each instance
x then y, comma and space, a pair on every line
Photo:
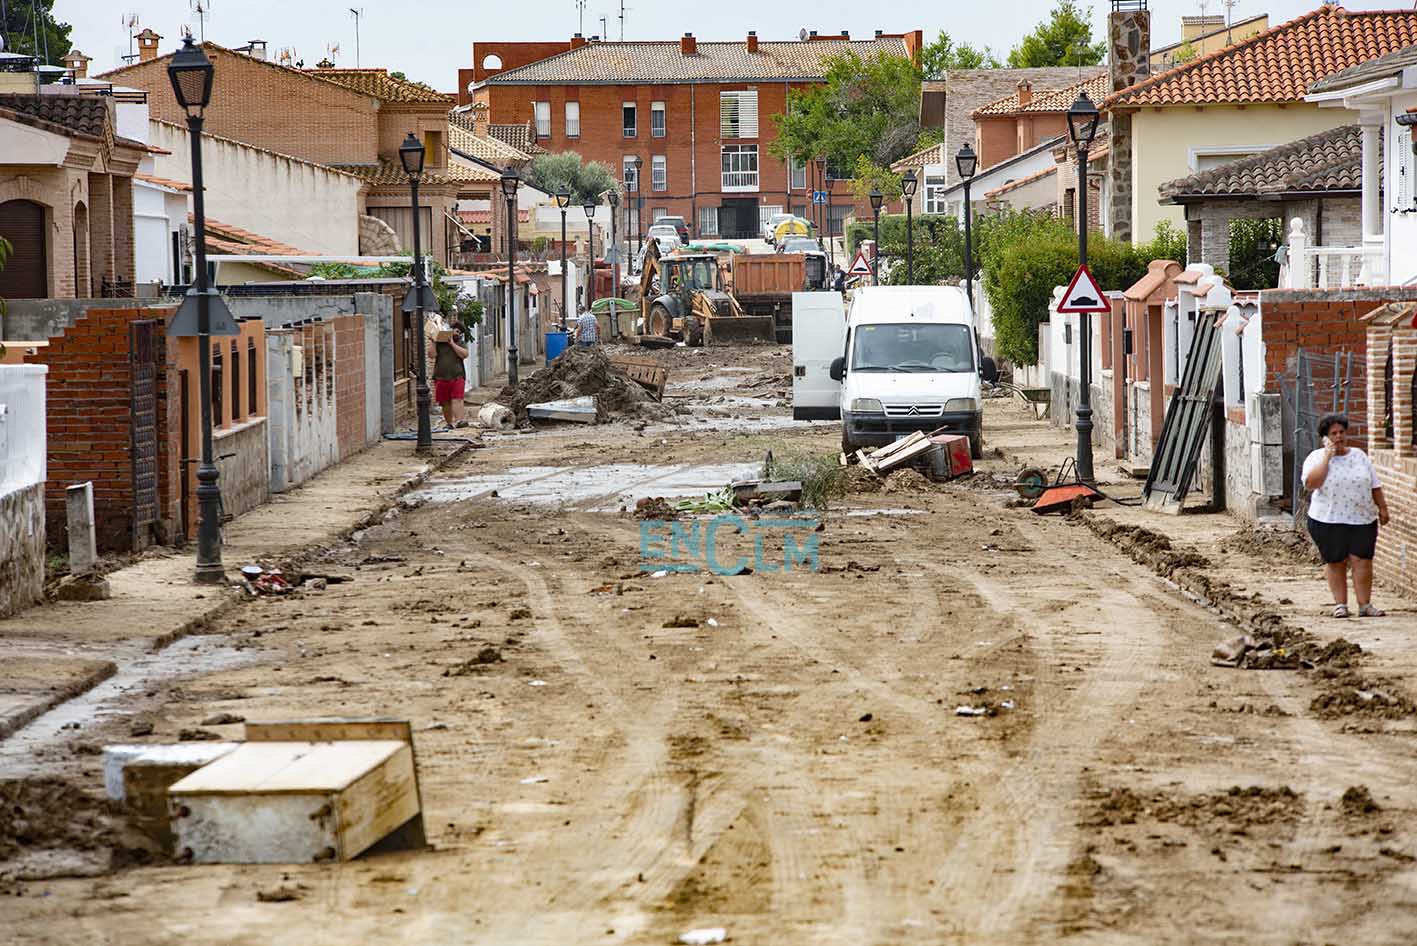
593, 489
198, 654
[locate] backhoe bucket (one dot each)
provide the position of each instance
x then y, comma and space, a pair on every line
740, 328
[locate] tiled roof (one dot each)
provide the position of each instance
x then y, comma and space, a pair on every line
78, 114
482, 217
381, 85
1372, 69
1279, 64
519, 136
1021, 182
605, 63
1047, 100
163, 182
461, 137
390, 173
244, 144
935, 154
1329, 161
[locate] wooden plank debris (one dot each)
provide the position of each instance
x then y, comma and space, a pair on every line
650, 375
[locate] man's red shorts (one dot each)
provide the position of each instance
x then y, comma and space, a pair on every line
445, 391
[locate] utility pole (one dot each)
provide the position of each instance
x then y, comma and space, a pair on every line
622, 21
604, 27
357, 15
580, 10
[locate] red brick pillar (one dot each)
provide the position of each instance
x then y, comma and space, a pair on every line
1404, 362
1379, 339
101, 255
124, 261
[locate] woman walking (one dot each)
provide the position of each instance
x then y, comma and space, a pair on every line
1345, 509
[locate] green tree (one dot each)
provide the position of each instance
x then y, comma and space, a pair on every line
1185, 53
944, 55
869, 176
866, 107
445, 292
1064, 39
551, 172
20, 26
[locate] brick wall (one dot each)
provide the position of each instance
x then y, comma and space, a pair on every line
349, 384
995, 140
1397, 542
251, 102
89, 400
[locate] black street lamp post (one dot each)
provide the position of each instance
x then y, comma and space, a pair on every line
589, 205
411, 157
639, 163
966, 162
191, 74
563, 200
1082, 127
877, 198
613, 198
907, 188
510, 183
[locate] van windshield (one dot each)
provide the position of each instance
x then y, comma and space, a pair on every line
913, 346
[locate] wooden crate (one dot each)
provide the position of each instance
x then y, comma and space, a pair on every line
299, 792
648, 374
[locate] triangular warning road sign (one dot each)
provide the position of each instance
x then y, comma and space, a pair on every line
859, 266
1083, 295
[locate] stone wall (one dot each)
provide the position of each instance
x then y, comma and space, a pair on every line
22, 548
246, 474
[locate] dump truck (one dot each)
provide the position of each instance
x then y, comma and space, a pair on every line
763, 284
686, 296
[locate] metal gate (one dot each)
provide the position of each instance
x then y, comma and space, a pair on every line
142, 360
1188, 415
1327, 383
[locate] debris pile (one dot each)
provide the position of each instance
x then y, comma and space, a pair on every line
939, 455
1238, 806
582, 372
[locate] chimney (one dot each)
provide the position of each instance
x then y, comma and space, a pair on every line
480, 114
77, 63
752, 41
1193, 26
880, 33
577, 41
812, 35
147, 45
845, 34
688, 45
1025, 93
1128, 62
257, 49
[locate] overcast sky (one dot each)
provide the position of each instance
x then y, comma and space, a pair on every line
430, 39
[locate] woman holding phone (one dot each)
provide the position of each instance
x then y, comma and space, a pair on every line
1345, 508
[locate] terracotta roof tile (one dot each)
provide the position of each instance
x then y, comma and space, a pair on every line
388, 173
1279, 64
662, 62
1329, 161
1372, 69
381, 85
931, 155
164, 182
461, 137
1021, 182
518, 136
1047, 100
237, 240
78, 114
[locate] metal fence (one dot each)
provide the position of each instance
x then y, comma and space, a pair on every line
1321, 383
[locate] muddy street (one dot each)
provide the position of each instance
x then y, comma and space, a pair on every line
943, 720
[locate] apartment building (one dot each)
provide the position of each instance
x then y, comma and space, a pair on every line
697, 115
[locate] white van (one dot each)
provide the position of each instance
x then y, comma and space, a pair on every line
911, 362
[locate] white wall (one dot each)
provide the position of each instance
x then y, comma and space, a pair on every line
303, 205
1401, 228
23, 450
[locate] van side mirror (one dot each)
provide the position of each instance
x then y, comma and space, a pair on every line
988, 370
837, 369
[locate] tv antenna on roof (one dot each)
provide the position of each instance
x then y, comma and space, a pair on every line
802, 34
580, 9
604, 30
1229, 6
357, 14
202, 11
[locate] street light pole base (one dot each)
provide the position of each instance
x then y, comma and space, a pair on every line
208, 574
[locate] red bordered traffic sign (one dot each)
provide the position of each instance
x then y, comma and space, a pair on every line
1083, 295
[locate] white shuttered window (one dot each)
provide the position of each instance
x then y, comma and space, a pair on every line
738, 114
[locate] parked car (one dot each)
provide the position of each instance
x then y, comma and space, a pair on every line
666, 235
770, 226
799, 244
679, 225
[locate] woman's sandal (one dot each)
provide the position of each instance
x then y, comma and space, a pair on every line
1368, 611
1341, 610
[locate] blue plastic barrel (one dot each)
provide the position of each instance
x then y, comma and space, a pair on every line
555, 344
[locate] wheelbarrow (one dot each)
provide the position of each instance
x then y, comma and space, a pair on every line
1058, 496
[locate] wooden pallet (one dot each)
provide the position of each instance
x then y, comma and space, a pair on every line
650, 375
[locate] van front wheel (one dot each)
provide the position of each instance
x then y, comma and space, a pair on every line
976, 445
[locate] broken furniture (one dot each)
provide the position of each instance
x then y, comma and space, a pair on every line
943, 455
650, 375
300, 791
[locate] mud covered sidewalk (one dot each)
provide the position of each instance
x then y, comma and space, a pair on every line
967, 725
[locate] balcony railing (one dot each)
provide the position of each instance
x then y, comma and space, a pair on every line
1330, 267
740, 180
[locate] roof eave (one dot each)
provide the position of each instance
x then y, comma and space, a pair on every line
1341, 96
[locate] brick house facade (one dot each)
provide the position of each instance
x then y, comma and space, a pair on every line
352, 120
698, 115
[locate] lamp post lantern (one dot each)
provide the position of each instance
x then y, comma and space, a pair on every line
510, 183
966, 163
411, 156
589, 205
877, 198
563, 200
1082, 128
191, 74
908, 183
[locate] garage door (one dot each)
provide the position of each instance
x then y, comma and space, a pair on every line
24, 276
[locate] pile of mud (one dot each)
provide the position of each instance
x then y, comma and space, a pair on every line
577, 373
50, 828
1236, 807
1350, 694
1273, 545
905, 479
